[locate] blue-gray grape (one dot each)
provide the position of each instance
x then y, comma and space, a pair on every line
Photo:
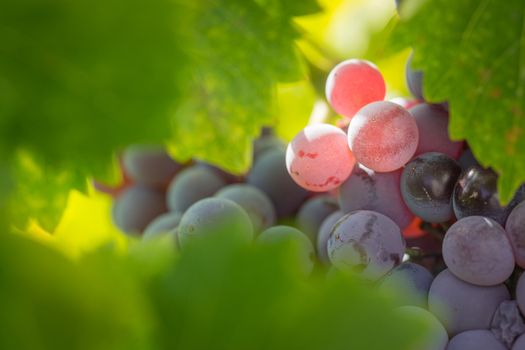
149, 165
255, 202
303, 245
136, 207
476, 193
214, 216
461, 306
515, 228
265, 143
366, 242
412, 280
191, 185
163, 224
476, 250
313, 212
414, 79
477, 339
380, 192
437, 337
427, 184
324, 234
269, 174
520, 293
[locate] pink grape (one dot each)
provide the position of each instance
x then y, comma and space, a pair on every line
383, 136
476, 250
318, 158
432, 122
353, 84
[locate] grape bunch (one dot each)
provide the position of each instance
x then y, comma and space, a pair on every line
385, 195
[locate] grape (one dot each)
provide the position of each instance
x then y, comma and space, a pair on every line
366, 242
414, 80
432, 123
324, 234
507, 324
414, 280
214, 216
520, 293
462, 306
136, 207
467, 160
519, 344
427, 184
305, 249
477, 251
313, 212
270, 176
256, 204
476, 194
265, 143
515, 228
163, 224
405, 102
191, 185
149, 165
224, 175
367, 189
383, 136
318, 158
353, 84
437, 339
477, 339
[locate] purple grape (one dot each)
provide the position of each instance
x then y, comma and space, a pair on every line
191, 185
477, 339
305, 249
324, 234
269, 174
476, 250
413, 280
432, 122
163, 224
214, 216
467, 160
265, 143
367, 242
370, 190
507, 323
255, 202
476, 194
515, 228
136, 207
462, 306
437, 338
427, 184
313, 212
149, 165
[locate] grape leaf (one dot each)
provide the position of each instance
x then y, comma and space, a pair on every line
473, 55
80, 80
238, 51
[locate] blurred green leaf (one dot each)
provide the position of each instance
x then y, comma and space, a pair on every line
472, 54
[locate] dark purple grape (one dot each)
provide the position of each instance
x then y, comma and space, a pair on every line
370, 190
467, 160
427, 184
265, 143
313, 212
476, 194
269, 174
136, 207
515, 228
149, 165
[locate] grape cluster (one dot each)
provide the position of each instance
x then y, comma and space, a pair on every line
385, 195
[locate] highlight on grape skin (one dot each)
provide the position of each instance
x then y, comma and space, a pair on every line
383, 136
353, 84
318, 158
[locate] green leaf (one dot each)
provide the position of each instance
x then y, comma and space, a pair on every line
238, 51
473, 55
